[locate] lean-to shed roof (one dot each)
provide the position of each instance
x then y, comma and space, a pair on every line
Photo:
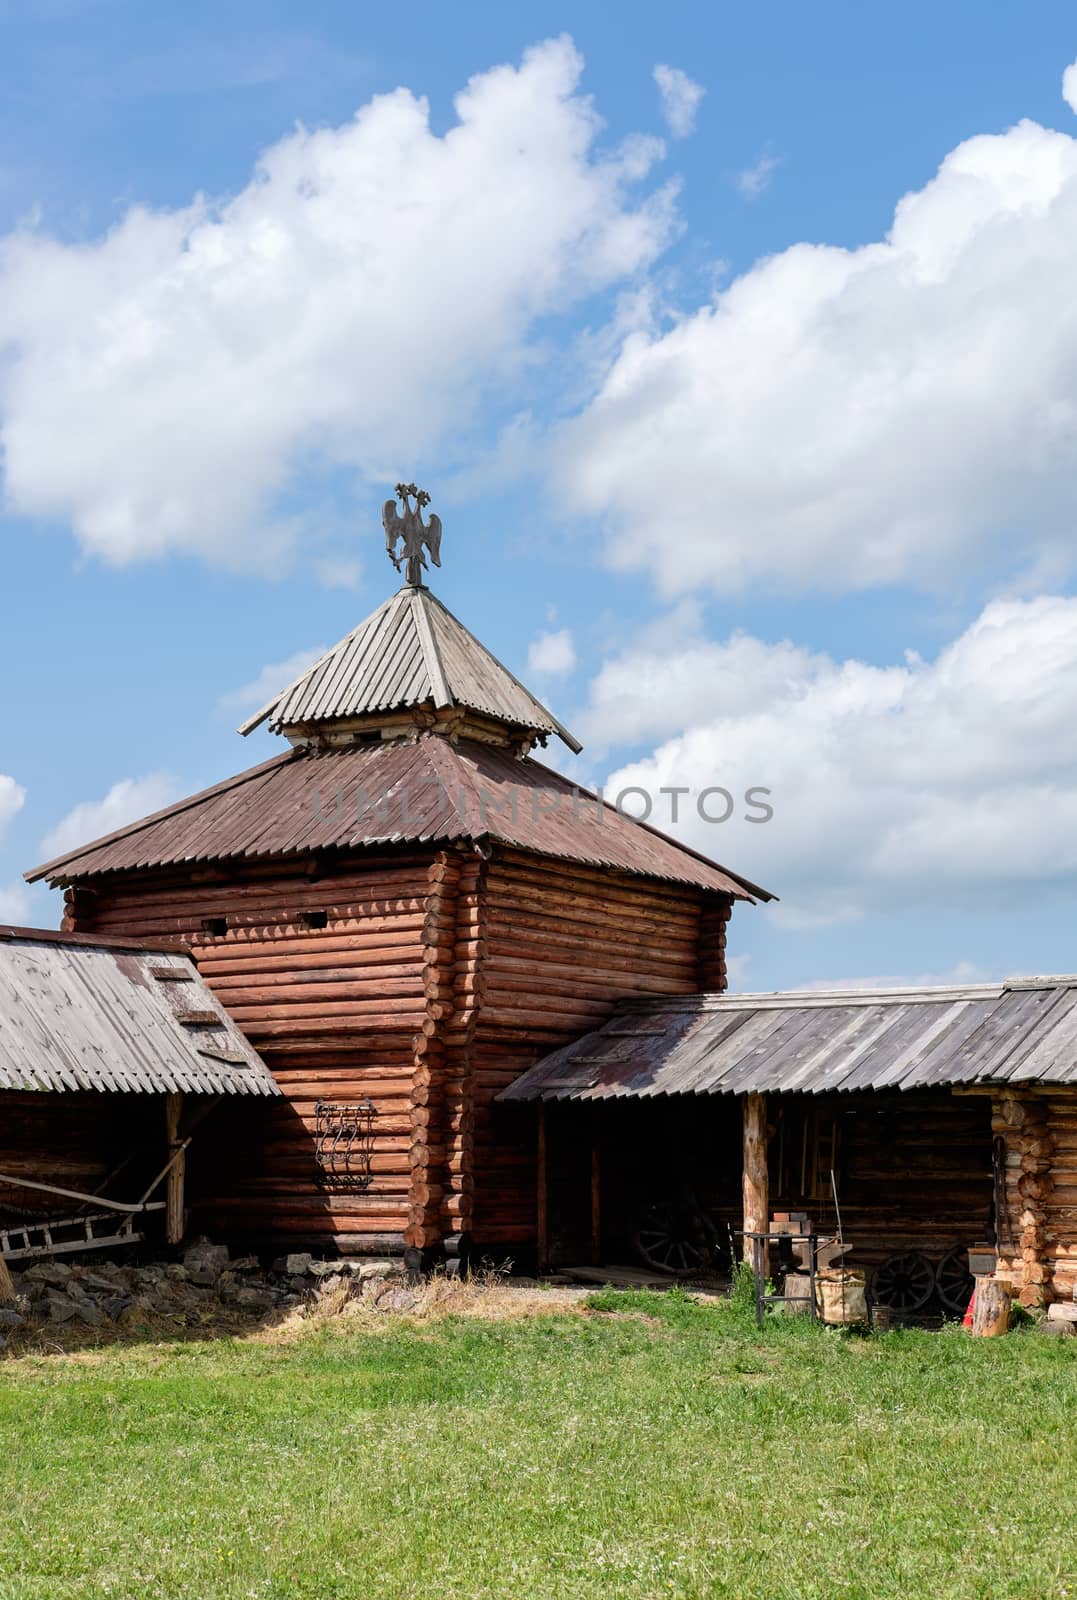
1020, 1031
78, 1012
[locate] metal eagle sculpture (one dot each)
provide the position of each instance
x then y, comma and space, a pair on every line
413, 535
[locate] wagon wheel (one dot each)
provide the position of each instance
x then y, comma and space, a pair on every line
904, 1282
954, 1280
668, 1237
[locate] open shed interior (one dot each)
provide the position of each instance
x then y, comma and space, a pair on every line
657, 1183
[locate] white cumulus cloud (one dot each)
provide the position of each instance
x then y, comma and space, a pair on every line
552, 654
1069, 86
756, 178
14, 897
366, 292
12, 799
680, 96
839, 418
126, 801
14, 904
926, 783
960, 974
270, 681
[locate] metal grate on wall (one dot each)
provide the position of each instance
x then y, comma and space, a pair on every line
344, 1144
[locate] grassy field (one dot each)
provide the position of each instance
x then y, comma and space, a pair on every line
664, 1448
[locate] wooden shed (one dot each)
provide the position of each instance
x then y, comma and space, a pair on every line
111, 1054
402, 912
948, 1117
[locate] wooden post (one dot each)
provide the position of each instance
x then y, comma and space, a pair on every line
7, 1288
174, 1215
596, 1190
541, 1193
755, 1188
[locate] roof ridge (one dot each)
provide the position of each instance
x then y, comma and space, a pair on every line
851, 995
177, 808
96, 941
658, 833
573, 743
443, 695
467, 777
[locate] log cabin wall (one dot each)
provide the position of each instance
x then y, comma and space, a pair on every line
436, 978
913, 1168
1037, 1133
560, 944
339, 1013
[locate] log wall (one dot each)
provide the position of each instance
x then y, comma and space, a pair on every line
1037, 1129
438, 977
913, 1168
560, 945
339, 1013
1060, 1200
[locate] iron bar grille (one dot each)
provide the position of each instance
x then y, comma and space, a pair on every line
343, 1144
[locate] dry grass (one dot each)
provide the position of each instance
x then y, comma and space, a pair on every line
489, 1295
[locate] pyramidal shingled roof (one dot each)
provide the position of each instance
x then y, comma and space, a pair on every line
412, 651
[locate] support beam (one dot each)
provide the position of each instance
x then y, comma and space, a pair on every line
542, 1193
596, 1189
755, 1187
175, 1220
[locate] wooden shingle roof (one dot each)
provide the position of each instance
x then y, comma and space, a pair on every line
412, 651
81, 1012
424, 791
1023, 1030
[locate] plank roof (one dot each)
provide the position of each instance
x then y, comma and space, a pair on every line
79, 1012
1020, 1031
428, 791
412, 651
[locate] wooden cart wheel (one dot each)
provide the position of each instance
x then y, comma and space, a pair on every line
668, 1237
954, 1280
904, 1282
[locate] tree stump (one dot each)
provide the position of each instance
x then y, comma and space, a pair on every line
991, 1310
7, 1288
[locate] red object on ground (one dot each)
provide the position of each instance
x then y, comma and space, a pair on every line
966, 1320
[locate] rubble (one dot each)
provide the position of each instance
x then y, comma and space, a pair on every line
208, 1286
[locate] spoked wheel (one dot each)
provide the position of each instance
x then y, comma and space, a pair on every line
904, 1282
954, 1280
668, 1236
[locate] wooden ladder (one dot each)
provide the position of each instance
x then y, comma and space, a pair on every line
59, 1235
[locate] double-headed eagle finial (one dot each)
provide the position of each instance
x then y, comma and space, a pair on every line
413, 534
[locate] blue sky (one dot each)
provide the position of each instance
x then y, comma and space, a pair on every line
757, 484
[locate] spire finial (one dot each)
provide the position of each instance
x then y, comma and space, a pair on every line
412, 532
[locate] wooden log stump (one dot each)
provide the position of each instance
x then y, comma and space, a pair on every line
991, 1310
7, 1288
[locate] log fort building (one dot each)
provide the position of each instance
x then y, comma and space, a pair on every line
402, 911
493, 1005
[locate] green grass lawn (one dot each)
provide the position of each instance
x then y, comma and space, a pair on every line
671, 1450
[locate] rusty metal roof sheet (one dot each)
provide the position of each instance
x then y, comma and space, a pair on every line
426, 791
1021, 1031
87, 1013
412, 651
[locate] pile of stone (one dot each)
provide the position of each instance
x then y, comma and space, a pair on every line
206, 1287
